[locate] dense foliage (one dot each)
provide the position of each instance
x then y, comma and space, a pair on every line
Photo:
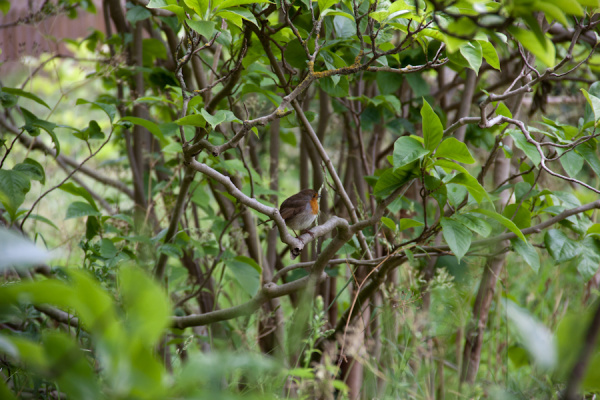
455, 148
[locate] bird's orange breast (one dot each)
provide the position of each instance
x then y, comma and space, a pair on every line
314, 204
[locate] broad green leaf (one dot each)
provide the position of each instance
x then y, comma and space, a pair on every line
146, 306
73, 189
246, 274
332, 13
559, 245
109, 109
17, 251
33, 169
151, 126
236, 15
325, 4
27, 95
389, 223
545, 52
80, 209
594, 103
472, 52
193, 120
465, 179
528, 252
571, 7
407, 223
5, 392
490, 54
589, 156
199, 6
32, 123
219, 117
476, 224
5, 8
572, 163
455, 150
536, 337
174, 8
137, 13
589, 259
392, 179
234, 3
432, 127
503, 220
528, 148
521, 216
14, 185
205, 28
590, 3
457, 236
407, 150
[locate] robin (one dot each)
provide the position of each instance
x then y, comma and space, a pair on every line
300, 210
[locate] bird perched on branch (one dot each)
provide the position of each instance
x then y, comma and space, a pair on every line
300, 210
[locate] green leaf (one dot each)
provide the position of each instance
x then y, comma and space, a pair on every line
5, 8
109, 109
561, 248
589, 156
333, 13
455, 150
80, 209
146, 306
503, 220
544, 51
219, 117
490, 54
473, 53
27, 95
174, 8
474, 223
407, 223
589, 259
32, 169
234, 3
528, 252
75, 190
137, 13
33, 122
235, 15
594, 103
389, 223
521, 216
151, 126
193, 120
17, 251
465, 179
571, 162
199, 6
392, 179
14, 185
528, 148
245, 273
432, 127
535, 337
407, 150
457, 236
205, 28
325, 4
